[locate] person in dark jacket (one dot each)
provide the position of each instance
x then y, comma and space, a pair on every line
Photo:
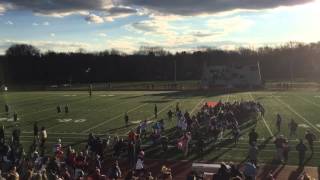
223, 173
253, 136
301, 148
310, 137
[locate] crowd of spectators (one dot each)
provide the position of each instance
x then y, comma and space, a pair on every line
99, 159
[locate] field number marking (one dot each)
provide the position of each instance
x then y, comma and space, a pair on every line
263, 119
71, 120
299, 115
303, 126
111, 119
7, 119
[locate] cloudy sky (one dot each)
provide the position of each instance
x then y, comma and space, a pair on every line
95, 25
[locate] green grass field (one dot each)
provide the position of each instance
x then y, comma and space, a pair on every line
103, 114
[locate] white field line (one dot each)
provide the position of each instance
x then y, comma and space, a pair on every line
228, 98
26, 114
196, 106
299, 115
50, 137
53, 108
53, 126
150, 117
166, 107
58, 133
171, 146
308, 101
264, 120
77, 110
116, 117
4, 113
49, 117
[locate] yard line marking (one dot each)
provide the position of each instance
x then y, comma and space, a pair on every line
58, 124
84, 135
64, 143
54, 133
77, 110
150, 117
230, 147
264, 120
196, 106
116, 117
53, 107
166, 107
308, 101
228, 98
52, 116
12, 106
299, 115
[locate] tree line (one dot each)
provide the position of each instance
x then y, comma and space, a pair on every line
24, 64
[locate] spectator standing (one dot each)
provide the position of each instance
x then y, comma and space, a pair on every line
301, 148
310, 137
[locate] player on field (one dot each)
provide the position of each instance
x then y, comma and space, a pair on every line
15, 117
126, 119
278, 122
16, 135
6, 109
170, 113
261, 109
90, 90
66, 109
279, 142
143, 128
293, 128
177, 107
58, 109
253, 136
301, 148
236, 135
43, 137
155, 111
2, 137
35, 129
310, 137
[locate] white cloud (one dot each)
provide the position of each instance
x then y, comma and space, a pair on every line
92, 18
60, 8
2, 9
194, 7
102, 34
35, 24
228, 25
157, 25
46, 23
52, 34
9, 23
117, 12
124, 44
181, 32
59, 46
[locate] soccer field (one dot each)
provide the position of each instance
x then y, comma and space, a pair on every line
103, 113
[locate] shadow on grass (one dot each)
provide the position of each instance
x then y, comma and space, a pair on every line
202, 93
131, 97
156, 101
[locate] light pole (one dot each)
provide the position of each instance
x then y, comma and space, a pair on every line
175, 70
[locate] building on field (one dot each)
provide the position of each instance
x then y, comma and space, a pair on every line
232, 75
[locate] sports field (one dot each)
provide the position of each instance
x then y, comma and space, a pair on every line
103, 113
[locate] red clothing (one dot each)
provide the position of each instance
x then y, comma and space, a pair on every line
132, 136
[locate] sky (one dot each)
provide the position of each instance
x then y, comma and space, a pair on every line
175, 25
